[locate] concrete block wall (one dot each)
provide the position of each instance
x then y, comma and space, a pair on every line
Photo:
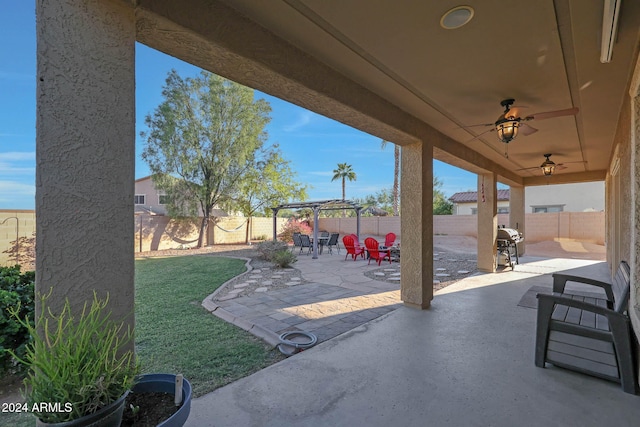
162, 232
15, 223
583, 226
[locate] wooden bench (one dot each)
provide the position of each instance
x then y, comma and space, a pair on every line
587, 334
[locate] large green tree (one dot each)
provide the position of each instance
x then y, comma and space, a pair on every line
441, 205
270, 182
201, 142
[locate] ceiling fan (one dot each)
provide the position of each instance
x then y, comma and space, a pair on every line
509, 123
549, 166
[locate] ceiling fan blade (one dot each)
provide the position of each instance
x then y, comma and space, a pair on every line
551, 114
473, 126
479, 135
527, 130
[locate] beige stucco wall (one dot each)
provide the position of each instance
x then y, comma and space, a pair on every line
152, 198
162, 232
21, 223
584, 226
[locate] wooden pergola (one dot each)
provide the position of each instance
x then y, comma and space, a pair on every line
317, 206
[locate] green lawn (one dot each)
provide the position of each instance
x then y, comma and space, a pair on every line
175, 334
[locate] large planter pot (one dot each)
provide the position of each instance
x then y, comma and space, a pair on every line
165, 383
109, 416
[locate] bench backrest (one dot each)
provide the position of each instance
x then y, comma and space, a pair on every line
620, 287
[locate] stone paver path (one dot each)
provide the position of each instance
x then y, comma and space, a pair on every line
338, 298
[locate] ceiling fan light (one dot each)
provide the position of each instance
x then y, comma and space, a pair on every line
507, 130
548, 167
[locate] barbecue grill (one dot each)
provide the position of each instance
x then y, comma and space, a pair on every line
508, 239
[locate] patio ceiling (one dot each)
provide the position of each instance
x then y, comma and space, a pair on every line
545, 54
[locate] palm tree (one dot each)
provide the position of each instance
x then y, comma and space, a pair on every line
396, 175
345, 172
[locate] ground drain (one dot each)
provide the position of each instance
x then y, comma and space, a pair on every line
296, 341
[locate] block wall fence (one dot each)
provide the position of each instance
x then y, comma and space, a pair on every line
161, 232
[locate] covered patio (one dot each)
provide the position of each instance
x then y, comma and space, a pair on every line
467, 361
406, 75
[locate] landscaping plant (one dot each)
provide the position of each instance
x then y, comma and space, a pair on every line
78, 361
16, 292
269, 248
294, 226
283, 258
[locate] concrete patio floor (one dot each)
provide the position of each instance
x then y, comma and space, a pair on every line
468, 360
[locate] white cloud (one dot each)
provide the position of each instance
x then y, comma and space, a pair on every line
15, 156
304, 118
14, 188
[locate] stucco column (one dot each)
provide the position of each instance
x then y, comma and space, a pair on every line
634, 301
517, 214
416, 225
85, 139
487, 222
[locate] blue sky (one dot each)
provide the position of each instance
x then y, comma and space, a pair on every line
313, 143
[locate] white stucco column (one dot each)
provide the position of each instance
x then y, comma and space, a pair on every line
85, 138
487, 222
416, 225
517, 214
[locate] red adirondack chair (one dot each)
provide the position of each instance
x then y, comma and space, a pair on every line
389, 239
374, 252
350, 246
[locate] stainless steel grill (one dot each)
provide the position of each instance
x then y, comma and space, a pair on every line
508, 239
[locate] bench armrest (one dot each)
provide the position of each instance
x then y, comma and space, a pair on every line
560, 280
569, 302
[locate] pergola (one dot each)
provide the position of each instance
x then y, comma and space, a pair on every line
317, 206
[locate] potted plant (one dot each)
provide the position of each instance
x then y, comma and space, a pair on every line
79, 370
158, 399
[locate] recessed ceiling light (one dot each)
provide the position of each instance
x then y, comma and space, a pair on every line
456, 17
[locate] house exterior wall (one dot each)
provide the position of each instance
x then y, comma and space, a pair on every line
580, 197
467, 208
144, 186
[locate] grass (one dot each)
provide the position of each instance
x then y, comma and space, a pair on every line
175, 334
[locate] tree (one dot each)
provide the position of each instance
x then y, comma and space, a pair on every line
344, 172
396, 176
269, 182
441, 206
202, 140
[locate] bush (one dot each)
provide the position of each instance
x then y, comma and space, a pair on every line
269, 248
294, 226
16, 294
284, 258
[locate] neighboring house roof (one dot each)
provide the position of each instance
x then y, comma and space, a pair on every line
472, 196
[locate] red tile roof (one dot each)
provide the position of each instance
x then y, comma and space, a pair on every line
472, 196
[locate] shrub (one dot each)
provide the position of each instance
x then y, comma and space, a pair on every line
268, 248
16, 293
81, 360
284, 258
294, 226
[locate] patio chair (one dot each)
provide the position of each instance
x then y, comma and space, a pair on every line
297, 243
356, 242
374, 251
305, 242
389, 239
333, 241
349, 245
